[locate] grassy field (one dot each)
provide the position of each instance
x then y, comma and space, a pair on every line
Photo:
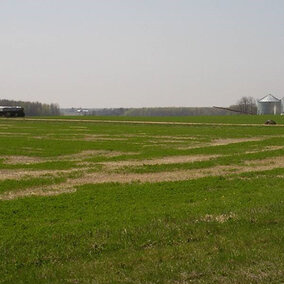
99, 202
228, 119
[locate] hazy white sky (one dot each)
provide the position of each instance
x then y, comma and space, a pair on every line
137, 53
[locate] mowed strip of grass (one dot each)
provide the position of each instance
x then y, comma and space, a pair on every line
212, 229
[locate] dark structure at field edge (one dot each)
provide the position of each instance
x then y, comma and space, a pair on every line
12, 111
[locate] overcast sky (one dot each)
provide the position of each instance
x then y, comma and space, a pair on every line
138, 53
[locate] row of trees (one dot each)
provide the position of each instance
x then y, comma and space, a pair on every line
154, 111
246, 105
175, 111
34, 108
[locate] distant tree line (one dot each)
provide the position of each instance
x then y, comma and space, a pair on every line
34, 108
246, 105
109, 111
155, 111
175, 111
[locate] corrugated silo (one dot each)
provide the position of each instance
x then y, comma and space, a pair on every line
269, 105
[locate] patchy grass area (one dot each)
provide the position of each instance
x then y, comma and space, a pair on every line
141, 203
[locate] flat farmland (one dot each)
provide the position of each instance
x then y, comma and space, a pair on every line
86, 200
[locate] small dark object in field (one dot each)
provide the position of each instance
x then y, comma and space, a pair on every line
270, 121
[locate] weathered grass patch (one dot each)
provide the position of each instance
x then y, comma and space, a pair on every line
9, 185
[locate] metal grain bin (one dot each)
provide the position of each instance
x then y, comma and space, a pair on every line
269, 105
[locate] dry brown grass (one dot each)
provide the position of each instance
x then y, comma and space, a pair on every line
36, 192
160, 161
221, 142
107, 177
101, 138
14, 133
13, 160
224, 142
217, 218
23, 173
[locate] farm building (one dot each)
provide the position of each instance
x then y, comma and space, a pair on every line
270, 105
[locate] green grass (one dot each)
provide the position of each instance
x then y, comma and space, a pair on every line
9, 185
210, 230
235, 119
148, 232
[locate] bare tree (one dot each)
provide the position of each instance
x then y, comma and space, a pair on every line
246, 105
